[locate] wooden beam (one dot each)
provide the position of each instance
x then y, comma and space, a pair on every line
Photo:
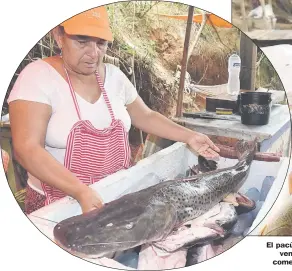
263, 38
272, 35
248, 55
244, 18
184, 62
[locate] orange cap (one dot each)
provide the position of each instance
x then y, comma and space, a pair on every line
93, 23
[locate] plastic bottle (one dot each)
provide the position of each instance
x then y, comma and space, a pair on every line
234, 65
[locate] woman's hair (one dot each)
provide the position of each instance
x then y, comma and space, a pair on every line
58, 30
61, 29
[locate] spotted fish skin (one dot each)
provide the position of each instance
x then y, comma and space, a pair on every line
151, 214
193, 198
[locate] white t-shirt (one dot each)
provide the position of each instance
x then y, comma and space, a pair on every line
40, 82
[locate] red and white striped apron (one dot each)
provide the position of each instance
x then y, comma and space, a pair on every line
92, 154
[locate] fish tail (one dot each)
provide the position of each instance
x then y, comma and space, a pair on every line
246, 150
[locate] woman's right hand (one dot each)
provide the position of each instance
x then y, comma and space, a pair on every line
89, 200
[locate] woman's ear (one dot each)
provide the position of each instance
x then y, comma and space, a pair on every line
58, 33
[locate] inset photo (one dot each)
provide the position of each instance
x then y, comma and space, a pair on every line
269, 24
265, 21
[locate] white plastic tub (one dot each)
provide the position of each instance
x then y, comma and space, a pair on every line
166, 164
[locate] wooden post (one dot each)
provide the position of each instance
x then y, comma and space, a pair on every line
248, 55
268, 21
198, 34
133, 80
184, 62
243, 14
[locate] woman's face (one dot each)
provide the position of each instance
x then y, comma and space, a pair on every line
82, 54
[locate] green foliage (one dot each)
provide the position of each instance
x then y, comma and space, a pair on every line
266, 75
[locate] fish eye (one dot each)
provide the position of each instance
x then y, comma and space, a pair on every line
129, 225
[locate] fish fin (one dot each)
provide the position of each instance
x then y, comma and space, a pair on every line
194, 170
246, 150
220, 231
203, 166
240, 165
188, 237
206, 165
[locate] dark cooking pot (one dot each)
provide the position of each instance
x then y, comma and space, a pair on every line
255, 107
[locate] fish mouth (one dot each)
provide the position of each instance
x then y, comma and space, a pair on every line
95, 243
74, 252
244, 204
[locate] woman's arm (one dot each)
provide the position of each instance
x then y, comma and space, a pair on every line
154, 123
29, 122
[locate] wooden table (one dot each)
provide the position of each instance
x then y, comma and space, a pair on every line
270, 37
273, 137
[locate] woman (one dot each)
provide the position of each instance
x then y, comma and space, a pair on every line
70, 116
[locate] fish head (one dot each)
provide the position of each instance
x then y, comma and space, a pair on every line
118, 226
225, 217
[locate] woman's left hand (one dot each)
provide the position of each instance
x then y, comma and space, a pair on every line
202, 144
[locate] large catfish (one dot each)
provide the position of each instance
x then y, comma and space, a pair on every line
150, 215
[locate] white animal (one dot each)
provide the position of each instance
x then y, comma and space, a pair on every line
265, 12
